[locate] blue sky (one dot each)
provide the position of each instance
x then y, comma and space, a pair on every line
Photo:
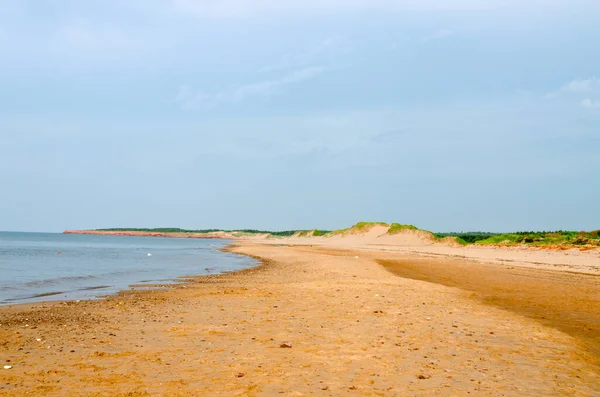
451, 115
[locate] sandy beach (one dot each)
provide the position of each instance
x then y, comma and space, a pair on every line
327, 319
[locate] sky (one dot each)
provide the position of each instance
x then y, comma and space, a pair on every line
454, 115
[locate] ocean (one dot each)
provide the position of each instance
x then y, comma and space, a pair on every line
50, 266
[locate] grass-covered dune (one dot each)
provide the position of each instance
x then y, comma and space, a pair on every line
362, 226
534, 238
560, 237
563, 238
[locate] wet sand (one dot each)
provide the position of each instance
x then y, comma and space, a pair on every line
567, 301
310, 321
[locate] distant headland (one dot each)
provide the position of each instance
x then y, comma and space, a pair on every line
560, 239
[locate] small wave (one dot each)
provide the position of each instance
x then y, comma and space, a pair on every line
31, 296
57, 280
67, 279
93, 288
46, 282
45, 294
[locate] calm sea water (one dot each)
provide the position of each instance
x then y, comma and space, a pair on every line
32, 269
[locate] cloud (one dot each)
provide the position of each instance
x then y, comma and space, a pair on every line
325, 49
87, 31
389, 133
582, 85
250, 8
439, 35
589, 103
576, 88
86, 38
190, 99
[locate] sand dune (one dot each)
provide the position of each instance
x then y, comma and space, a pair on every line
423, 243
372, 234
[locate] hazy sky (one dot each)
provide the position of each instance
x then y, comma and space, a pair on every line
448, 114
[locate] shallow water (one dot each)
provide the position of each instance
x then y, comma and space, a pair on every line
47, 266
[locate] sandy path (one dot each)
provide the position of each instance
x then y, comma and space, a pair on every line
354, 328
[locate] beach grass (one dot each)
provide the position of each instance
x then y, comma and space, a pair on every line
397, 228
563, 238
535, 238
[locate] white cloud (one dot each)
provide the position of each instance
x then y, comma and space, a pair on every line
248, 8
590, 103
576, 88
390, 131
190, 99
326, 49
439, 35
84, 37
582, 85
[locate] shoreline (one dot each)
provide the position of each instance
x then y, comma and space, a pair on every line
141, 287
418, 238
353, 326
90, 269
214, 235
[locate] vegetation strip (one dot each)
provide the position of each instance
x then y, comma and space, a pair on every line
559, 238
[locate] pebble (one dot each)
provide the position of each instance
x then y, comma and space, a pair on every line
286, 345
7, 366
